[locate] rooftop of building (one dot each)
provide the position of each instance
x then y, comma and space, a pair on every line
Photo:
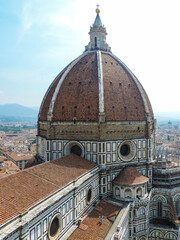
20, 156
24, 189
94, 226
96, 82
130, 176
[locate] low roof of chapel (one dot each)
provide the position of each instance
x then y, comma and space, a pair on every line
91, 227
24, 189
130, 176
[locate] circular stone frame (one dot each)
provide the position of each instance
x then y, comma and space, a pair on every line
59, 219
127, 150
89, 195
69, 145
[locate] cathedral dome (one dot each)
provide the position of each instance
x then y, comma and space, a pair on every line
96, 82
94, 89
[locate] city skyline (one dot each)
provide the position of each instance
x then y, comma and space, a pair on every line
40, 38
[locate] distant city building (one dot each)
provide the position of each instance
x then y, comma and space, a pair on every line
99, 179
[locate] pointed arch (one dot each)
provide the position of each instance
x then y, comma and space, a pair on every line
159, 208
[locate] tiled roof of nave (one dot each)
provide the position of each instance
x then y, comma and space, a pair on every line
22, 190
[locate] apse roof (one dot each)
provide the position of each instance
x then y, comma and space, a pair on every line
130, 176
91, 227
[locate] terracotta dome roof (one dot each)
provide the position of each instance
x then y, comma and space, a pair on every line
130, 176
96, 82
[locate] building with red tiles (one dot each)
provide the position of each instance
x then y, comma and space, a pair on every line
97, 180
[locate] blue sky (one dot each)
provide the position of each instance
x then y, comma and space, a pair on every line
40, 37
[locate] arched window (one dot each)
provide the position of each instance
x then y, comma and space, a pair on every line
171, 236
141, 211
128, 193
159, 210
156, 234
139, 192
95, 42
117, 191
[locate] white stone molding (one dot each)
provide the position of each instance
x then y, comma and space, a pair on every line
51, 106
140, 88
100, 82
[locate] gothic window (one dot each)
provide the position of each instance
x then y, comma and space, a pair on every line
48, 148
159, 205
95, 42
141, 211
156, 235
171, 236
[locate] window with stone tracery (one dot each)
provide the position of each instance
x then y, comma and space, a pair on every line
159, 210
141, 211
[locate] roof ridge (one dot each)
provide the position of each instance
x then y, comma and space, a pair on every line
33, 174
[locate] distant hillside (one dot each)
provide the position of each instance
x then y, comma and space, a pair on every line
16, 112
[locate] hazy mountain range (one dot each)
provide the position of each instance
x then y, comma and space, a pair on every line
16, 112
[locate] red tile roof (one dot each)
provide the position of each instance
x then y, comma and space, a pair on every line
130, 176
22, 190
92, 228
20, 157
78, 95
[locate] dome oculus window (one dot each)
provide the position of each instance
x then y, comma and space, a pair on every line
54, 227
89, 196
127, 150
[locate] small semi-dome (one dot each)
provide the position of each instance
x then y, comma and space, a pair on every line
130, 176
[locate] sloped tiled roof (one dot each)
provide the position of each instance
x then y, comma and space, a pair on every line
92, 228
22, 190
130, 176
78, 92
